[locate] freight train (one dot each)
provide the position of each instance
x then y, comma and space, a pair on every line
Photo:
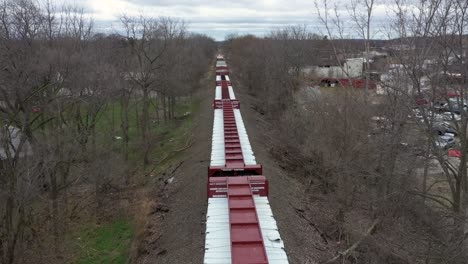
240, 227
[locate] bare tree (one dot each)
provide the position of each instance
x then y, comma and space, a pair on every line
434, 36
58, 84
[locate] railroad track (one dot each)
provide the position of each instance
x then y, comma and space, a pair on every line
240, 227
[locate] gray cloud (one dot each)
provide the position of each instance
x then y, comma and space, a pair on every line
222, 17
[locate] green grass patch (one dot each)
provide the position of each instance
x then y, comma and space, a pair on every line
108, 243
166, 136
109, 123
175, 136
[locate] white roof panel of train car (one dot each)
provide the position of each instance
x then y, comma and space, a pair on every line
249, 158
274, 245
218, 156
232, 96
221, 64
218, 93
218, 237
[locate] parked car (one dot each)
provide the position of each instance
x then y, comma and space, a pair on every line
440, 128
421, 100
453, 105
445, 142
447, 116
439, 107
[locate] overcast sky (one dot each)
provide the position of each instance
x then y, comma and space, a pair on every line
218, 18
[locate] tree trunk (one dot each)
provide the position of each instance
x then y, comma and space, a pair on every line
158, 120
9, 232
465, 229
426, 168
145, 125
173, 106
145, 115
169, 107
113, 121
97, 193
164, 107
124, 124
54, 199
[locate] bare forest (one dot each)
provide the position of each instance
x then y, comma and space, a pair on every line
83, 118
377, 186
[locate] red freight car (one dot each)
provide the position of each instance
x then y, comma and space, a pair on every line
350, 82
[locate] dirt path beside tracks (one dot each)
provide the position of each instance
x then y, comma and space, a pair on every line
175, 230
303, 243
